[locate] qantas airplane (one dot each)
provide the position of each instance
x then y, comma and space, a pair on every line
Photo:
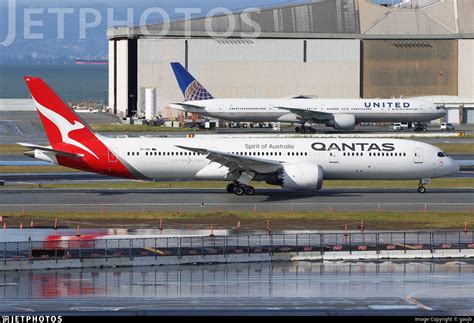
294, 163
341, 114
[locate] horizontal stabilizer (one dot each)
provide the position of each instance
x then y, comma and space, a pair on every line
49, 149
182, 106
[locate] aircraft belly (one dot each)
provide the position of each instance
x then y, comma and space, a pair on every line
176, 169
394, 117
377, 171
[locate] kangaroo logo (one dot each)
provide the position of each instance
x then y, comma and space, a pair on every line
64, 126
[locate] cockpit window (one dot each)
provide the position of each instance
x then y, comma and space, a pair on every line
439, 107
441, 154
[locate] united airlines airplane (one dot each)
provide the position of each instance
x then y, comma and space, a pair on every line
293, 163
341, 114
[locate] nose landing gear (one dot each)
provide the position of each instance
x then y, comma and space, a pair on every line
421, 185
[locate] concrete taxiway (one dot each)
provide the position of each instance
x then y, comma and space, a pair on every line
212, 199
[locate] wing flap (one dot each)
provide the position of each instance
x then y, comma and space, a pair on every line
235, 162
309, 114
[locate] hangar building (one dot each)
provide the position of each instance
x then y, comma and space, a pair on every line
324, 48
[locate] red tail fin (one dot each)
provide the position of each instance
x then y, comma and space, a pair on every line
68, 133
64, 128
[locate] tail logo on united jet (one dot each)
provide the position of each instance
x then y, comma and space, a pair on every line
191, 88
196, 92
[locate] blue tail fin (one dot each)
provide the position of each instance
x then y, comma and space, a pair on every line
191, 88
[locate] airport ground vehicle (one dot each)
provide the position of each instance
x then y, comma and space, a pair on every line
295, 163
400, 126
447, 126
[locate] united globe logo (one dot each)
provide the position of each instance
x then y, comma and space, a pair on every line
196, 92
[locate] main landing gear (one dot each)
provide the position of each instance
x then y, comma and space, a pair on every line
421, 185
303, 129
240, 189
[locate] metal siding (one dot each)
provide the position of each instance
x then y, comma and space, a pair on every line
259, 50
407, 22
111, 102
275, 68
466, 68
444, 14
453, 116
262, 68
154, 70
466, 16
334, 50
122, 77
322, 16
409, 68
469, 116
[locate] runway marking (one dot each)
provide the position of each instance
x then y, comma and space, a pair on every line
418, 303
393, 307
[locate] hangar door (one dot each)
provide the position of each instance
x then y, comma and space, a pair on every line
468, 116
409, 68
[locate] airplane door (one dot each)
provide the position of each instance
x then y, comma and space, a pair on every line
334, 156
418, 155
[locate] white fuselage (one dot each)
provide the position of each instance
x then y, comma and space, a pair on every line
351, 159
267, 110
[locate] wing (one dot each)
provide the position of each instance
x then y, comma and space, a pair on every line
310, 115
237, 162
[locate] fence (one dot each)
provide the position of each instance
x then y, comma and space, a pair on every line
258, 207
77, 247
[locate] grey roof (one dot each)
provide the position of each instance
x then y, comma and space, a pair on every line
325, 19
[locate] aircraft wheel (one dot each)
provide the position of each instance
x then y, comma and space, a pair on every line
249, 190
230, 188
298, 129
313, 130
421, 189
239, 190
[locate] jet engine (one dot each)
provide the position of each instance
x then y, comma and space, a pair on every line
302, 177
343, 122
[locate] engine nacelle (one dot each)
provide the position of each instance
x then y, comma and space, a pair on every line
343, 122
302, 177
